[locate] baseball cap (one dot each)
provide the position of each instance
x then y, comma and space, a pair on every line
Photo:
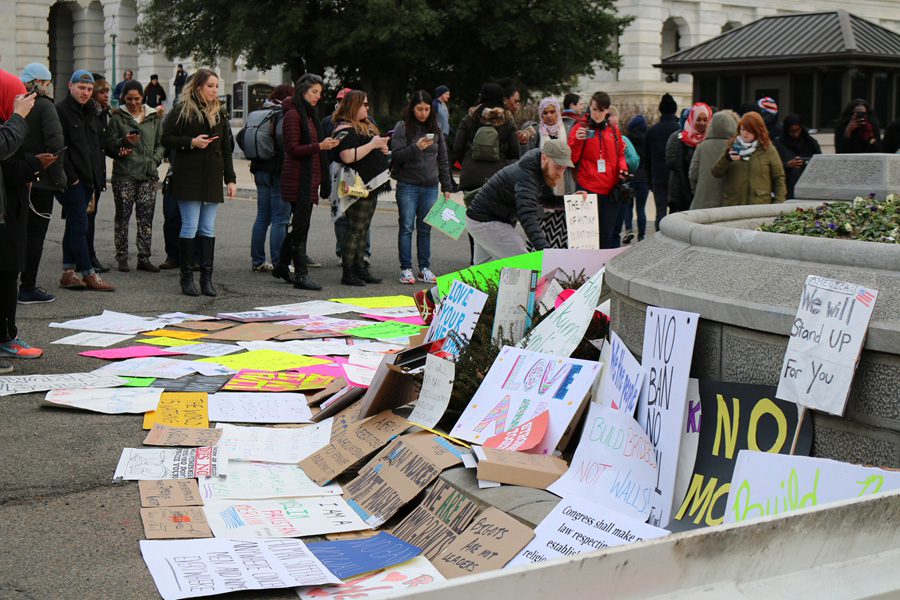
34, 71
81, 76
558, 151
342, 93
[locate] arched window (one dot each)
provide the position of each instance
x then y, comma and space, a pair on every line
674, 32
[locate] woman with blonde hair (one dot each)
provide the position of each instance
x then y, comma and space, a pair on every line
200, 135
751, 166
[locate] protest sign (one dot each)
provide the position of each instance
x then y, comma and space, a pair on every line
249, 380
489, 542
165, 435
479, 275
179, 522
174, 333
111, 401
238, 407
264, 360
280, 517
128, 352
196, 384
113, 322
623, 377
666, 358
151, 366
210, 369
389, 388
168, 342
385, 330
26, 384
377, 301
304, 347
169, 492
97, 340
346, 558
519, 386
194, 568
383, 583
769, 484
521, 438
179, 409
582, 221
447, 216
515, 304
248, 480
573, 264
614, 464
690, 440
356, 442
458, 313
261, 316
313, 308
434, 397
826, 338
518, 468
268, 444
252, 331
562, 331
358, 375
207, 349
175, 463
137, 381
204, 325
444, 514
736, 416
576, 526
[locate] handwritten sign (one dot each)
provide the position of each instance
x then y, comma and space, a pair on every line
346, 558
207, 349
264, 360
281, 517
97, 340
521, 438
268, 444
521, 385
192, 383
444, 514
180, 522
489, 542
386, 330
826, 338
458, 313
667, 353
179, 409
176, 463
480, 275
127, 352
436, 389
151, 366
623, 377
249, 480
26, 384
380, 584
258, 316
248, 380
169, 492
237, 407
110, 401
515, 304
447, 216
165, 435
582, 221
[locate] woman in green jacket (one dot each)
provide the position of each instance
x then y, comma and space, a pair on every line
751, 166
199, 133
138, 128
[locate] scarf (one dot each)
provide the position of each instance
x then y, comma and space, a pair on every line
801, 146
549, 131
689, 135
10, 87
746, 149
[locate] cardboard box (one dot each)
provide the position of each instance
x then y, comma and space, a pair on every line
518, 468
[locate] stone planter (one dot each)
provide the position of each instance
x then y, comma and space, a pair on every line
746, 286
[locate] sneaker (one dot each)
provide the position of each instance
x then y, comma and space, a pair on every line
426, 276
18, 349
629, 235
93, 282
406, 276
312, 263
5, 367
425, 305
69, 280
35, 296
263, 268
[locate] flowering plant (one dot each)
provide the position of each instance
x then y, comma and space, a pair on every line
864, 219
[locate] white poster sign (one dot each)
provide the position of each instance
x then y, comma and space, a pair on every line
171, 463
582, 221
111, 401
623, 377
208, 349
381, 583
150, 366
281, 517
458, 313
258, 407
267, 444
114, 322
437, 386
248, 480
96, 340
26, 384
515, 304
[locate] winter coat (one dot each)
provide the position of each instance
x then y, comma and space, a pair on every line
475, 173
586, 153
790, 148
678, 160
637, 139
197, 174
147, 153
855, 144
420, 167
45, 134
752, 181
708, 190
84, 131
655, 149
13, 200
154, 95
300, 150
517, 193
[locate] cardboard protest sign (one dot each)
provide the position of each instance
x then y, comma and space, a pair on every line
180, 522
346, 558
264, 360
515, 304
26, 384
523, 437
437, 386
447, 216
489, 542
248, 480
396, 476
576, 526
204, 325
582, 221
238, 407
280, 517
97, 340
111, 401
179, 409
826, 338
736, 416
269, 444
194, 568
519, 386
165, 435
389, 388
614, 465
667, 353
479, 275
356, 443
444, 514
458, 313
251, 331
169, 492
174, 333
383, 583
192, 383
261, 316
177, 463
247, 380
562, 331
127, 352
769, 484
376, 301
623, 378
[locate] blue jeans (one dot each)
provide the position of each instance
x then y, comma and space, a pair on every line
413, 204
75, 201
198, 219
270, 210
641, 191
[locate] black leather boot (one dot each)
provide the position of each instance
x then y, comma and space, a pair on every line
185, 263
280, 269
301, 276
361, 270
207, 254
349, 277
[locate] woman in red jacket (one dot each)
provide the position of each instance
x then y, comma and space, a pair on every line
599, 156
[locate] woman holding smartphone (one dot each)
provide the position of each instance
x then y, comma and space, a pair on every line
136, 126
857, 130
751, 166
419, 162
199, 133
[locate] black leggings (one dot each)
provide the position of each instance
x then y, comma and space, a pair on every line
9, 295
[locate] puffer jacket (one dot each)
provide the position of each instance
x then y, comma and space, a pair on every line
45, 134
708, 190
476, 172
147, 152
752, 181
420, 167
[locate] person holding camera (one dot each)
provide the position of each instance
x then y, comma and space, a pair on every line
599, 157
796, 147
751, 166
857, 129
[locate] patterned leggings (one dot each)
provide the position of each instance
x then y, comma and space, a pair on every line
142, 196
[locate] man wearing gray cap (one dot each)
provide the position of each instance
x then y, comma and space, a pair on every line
517, 193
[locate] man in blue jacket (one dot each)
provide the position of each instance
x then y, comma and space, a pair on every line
655, 153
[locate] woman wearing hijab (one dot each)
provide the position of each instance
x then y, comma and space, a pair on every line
795, 147
751, 166
857, 130
680, 151
708, 190
551, 127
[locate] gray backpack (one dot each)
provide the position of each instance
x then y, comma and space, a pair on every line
257, 137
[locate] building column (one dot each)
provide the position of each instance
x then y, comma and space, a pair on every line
32, 33
88, 28
639, 44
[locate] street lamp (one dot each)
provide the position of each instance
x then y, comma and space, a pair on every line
113, 101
